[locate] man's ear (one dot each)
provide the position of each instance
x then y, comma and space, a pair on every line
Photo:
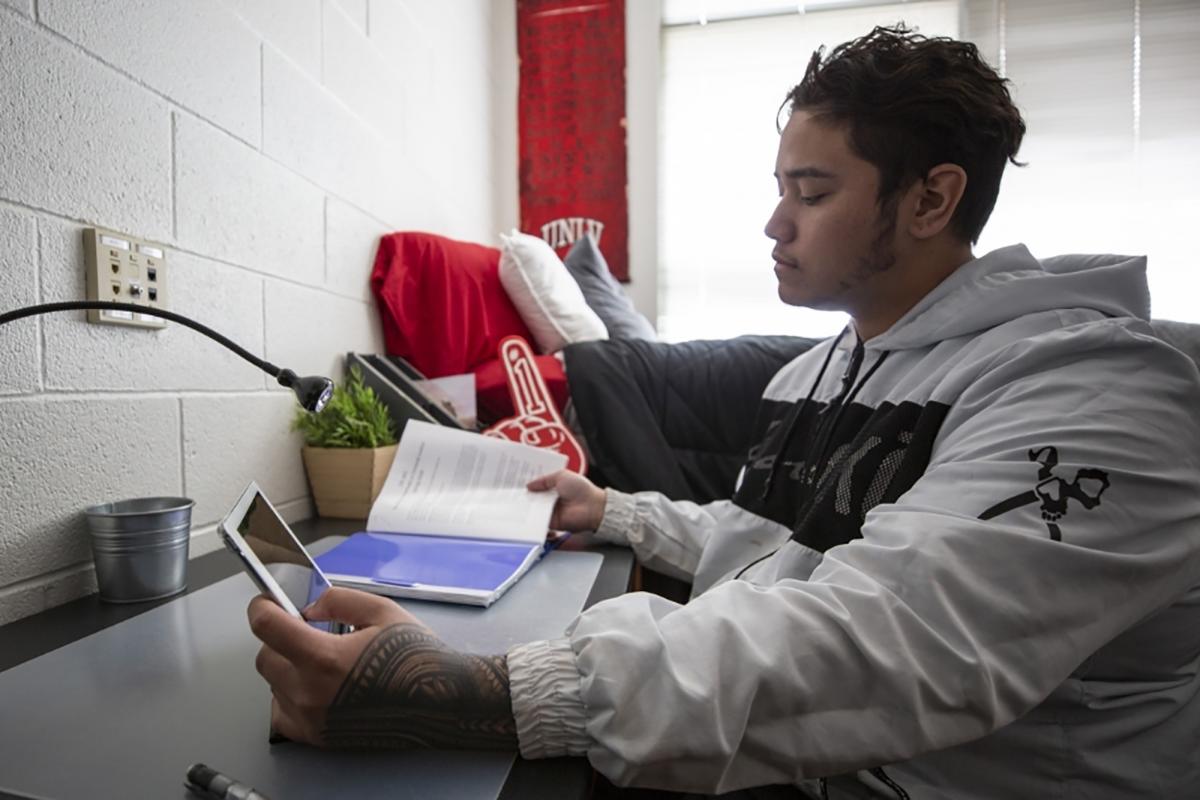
937, 198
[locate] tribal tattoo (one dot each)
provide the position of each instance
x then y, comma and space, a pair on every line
409, 689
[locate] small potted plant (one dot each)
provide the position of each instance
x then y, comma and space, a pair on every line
348, 449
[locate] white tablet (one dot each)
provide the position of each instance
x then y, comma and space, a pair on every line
272, 555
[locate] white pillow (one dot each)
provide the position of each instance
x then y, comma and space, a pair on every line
546, 296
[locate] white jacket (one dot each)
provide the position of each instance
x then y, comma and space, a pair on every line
976, 564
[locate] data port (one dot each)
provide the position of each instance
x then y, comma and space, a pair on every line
123, 269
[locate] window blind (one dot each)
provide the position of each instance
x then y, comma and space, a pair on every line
1110, 91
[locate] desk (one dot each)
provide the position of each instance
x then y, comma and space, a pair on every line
228, 677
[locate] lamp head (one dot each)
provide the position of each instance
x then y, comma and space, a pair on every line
313, 391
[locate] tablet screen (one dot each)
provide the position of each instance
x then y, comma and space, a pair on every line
269, 538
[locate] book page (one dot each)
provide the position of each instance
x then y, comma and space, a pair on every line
452, 482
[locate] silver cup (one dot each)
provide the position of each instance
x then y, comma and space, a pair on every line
140, 547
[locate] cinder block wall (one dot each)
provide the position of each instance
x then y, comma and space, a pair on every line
267, 143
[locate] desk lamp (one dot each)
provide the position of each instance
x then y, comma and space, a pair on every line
313, 392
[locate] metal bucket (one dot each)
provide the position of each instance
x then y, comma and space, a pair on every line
140, 547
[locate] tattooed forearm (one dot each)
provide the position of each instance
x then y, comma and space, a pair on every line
409, 689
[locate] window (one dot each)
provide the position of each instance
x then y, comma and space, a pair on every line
1110, 90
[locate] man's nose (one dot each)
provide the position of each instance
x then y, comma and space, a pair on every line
779, 227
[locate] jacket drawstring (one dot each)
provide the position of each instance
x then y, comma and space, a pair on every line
825, 431
843, 402
794, 417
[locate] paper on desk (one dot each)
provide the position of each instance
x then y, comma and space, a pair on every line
450, 482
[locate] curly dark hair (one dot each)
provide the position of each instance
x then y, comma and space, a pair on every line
911, 102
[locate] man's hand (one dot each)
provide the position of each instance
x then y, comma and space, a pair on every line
580, 505
390, 683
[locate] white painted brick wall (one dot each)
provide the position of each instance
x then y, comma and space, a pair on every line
309, 331
66, 149
401, 37
229, 440
46, 591
240, 207
300, 118
18, 256
291, 26
361, 75
63, 454
424, 204
267, 144
407, 36
352, 238
24, 6
444, 118
357, 11
200, 55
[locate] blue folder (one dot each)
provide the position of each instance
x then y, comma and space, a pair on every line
453, 569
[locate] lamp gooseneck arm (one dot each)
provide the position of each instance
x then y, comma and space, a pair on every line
313, 392
106, 305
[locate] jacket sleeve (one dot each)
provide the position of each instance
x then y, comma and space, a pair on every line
671, 536
936, 627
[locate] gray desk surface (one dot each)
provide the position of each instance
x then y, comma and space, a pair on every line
121, 710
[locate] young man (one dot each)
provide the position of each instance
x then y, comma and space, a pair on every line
962, 561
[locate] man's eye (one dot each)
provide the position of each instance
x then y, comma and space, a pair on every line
811, 199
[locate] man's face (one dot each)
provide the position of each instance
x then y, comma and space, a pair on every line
831, 241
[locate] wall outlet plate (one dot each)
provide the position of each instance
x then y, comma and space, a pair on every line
125, 269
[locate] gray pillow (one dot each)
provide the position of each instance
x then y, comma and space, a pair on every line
1183, 336
604, 295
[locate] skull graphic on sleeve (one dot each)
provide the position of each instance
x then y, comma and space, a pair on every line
1053, 492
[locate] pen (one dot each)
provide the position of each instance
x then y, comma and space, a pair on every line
208, 782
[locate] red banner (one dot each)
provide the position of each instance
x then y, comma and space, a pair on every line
572, 125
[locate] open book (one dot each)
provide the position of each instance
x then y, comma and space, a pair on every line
453, 522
